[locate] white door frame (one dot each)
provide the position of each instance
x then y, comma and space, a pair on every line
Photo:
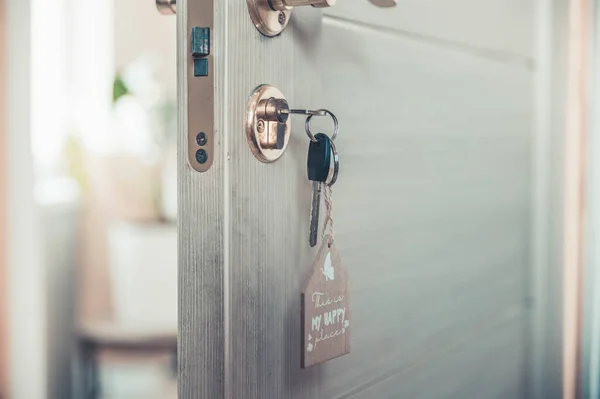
565, 344
590, 296
25, 274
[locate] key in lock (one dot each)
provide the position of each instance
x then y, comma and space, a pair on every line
268, 125
272, 114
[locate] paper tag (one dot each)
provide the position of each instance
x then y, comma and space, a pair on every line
325, 309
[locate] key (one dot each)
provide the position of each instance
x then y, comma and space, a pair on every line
319, 160
314, 213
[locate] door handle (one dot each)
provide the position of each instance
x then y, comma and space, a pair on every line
170, 6
166, 6
282, 5
271, 17
384, 3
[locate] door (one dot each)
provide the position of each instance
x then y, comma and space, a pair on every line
432, 208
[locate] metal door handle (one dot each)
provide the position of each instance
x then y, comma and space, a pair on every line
272, 16
282, 5
385, 3
166, 6
170, 6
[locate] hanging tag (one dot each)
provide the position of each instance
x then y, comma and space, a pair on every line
325, 309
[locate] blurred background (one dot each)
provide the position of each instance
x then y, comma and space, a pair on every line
93, 304
88, 193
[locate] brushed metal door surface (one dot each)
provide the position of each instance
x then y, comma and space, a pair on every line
432, 207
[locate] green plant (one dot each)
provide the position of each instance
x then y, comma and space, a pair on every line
119, 88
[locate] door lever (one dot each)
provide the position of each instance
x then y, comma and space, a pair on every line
272, 16
384, 3
166, 6
281, 5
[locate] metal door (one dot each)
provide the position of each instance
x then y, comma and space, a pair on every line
432, 207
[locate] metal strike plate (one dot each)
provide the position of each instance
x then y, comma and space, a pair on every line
200, 80
267, 135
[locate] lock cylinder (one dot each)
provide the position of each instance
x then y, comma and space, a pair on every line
273, 110
267, 123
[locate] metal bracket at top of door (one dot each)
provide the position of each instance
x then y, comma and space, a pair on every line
272, 16
199, 81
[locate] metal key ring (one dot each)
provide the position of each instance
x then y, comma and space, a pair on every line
336, 125
336, 164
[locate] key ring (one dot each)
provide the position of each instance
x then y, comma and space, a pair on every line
336, 164
336, 125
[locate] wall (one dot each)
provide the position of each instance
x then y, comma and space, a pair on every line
3, 327
141, 29
138, 30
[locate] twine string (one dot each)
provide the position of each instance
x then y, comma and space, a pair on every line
328, 228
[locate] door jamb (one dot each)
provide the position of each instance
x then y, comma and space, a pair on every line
549, 213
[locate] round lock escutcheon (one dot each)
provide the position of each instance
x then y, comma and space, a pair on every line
267, 133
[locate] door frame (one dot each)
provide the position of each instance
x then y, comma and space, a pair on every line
557, 226
566, 346
589, 379
27, 335
576, 186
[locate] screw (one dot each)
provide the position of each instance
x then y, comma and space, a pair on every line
281, 18
201, 156
260, 126
201, 138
